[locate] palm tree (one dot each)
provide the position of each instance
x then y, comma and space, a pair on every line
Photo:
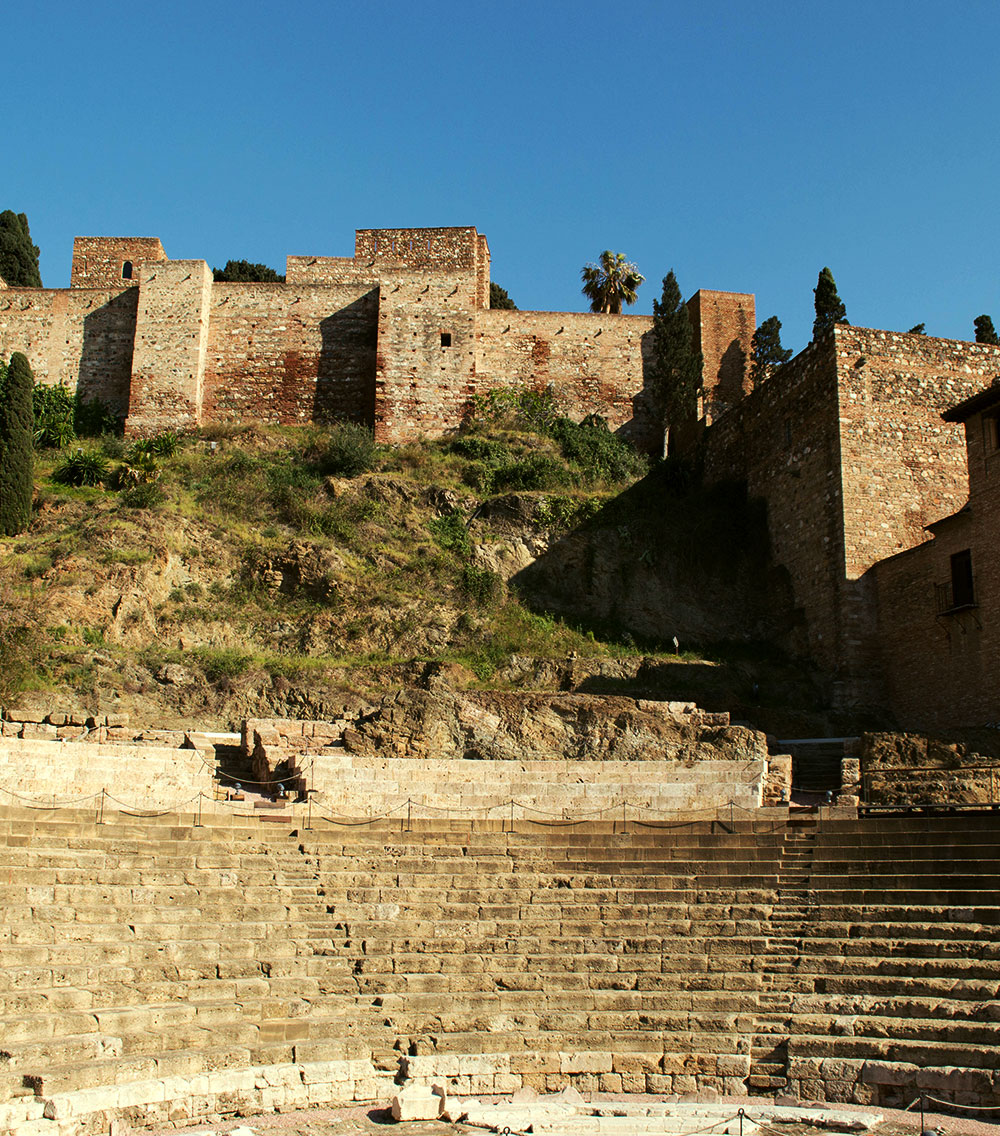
611, 283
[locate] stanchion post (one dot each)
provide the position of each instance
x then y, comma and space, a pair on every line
409, 803
741, 1114
198, 823
309, 810
624, 818
100, 814
923, 1127
512, 814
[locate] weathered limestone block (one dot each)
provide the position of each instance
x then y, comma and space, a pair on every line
417, 1102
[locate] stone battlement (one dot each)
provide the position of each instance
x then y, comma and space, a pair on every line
400, 336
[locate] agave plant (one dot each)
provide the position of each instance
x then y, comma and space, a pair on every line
82, 468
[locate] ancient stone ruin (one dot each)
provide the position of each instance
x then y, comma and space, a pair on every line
182, 941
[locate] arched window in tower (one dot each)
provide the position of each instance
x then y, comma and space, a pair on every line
127, 270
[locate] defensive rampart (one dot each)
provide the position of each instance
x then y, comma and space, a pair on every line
399, 336
847, 445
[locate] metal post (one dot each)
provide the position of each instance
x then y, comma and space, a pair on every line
741, 1114
512, 814
923, 1127
100, 814
409, 801
309, 809
624, 818
197, 822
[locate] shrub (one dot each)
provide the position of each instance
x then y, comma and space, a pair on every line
93, 418
164, 445
515, 407
82, 469
536, 471
482, 585
142, 495
61, 417
54, 408
600, 455
450, 533
349, 451
138, 468
221, 663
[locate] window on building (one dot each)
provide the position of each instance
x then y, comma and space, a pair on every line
127, 270
445, 338
962, 586
991, 425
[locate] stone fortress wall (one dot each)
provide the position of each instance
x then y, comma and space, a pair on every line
845, 442
400, 336
848, 446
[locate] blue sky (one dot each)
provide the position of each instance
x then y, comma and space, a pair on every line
743, 145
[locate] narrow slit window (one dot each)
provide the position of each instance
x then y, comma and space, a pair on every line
992, 424
445, 338
127, 270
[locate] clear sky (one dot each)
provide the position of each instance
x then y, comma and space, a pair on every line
744, 145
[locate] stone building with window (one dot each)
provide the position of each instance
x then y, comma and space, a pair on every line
938, 604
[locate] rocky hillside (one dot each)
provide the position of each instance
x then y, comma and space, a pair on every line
269, 571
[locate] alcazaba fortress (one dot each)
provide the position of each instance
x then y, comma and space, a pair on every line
850, 443
634, 907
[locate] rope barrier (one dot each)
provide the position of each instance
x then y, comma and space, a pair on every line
543, 816
35, 803
964, 1107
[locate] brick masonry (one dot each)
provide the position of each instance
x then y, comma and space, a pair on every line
940, 651
846, 442
399, 336
847, 445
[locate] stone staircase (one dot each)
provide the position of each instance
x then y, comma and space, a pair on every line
840, 960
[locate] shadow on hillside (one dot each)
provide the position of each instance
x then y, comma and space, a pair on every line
670, 565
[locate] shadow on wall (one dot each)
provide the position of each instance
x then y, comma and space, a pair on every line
645, 428
732, 371
345, 373
106, 357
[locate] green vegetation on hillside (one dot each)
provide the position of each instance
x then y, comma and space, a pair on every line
300, 551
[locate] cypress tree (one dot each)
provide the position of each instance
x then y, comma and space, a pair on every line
985, 331
16, 453
676, 364
766, 352
829, 306
18, 256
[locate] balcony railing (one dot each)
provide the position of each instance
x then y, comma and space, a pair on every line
949, 598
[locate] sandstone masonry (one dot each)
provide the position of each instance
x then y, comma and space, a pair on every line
399, 336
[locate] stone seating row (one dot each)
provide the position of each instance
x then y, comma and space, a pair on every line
583, 1003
